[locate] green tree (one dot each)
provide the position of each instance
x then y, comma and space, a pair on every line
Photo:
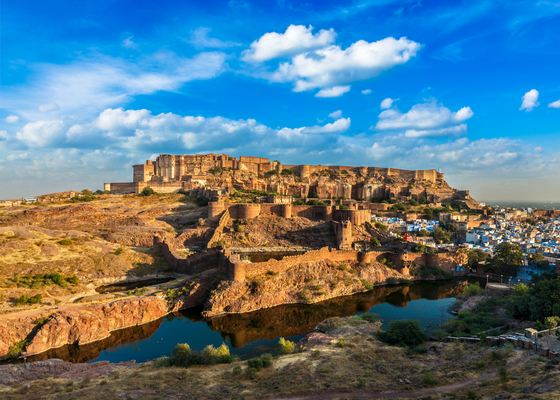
87, 192
538, 259
375, 242
507, 259
419, 248
441, 236
403, 333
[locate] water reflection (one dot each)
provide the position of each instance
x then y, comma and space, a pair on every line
257, 332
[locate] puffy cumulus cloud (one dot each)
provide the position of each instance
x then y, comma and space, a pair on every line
42, 133
82, 89
332, 66
336, 114
366, 91
555, 104
11, 119
200, 39
335, 91
387, 103
295, 40
530, 100
425, 120
3, 135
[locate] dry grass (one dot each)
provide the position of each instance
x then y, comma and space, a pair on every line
363, 362
73, 239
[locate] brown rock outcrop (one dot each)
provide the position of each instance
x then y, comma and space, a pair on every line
96, 322
303, 283
19, 373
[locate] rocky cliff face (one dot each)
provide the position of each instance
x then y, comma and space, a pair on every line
304, 283
96, 322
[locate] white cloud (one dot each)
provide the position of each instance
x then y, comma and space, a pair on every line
129, 43
82, 89
295, 40
48, 107
555, 104
332, 66
20, 156
335, 91
458, 130
366, 91
200, 39
41, 133
530, 100
422, 117
10, 119
336, 114
387, 103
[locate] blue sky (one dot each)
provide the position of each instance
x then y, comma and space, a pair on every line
90, 88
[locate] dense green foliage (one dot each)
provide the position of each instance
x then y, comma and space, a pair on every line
147, 191
24, 300
441, 236
507, 259
469, 323
403, 333
40, 281
380, 226
419, 248
315, 203
537, 302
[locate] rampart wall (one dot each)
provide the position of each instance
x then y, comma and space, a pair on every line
224, 219
193, 264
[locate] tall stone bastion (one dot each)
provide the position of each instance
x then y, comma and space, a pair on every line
171, 173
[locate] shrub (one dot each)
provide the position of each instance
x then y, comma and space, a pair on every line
286, 346
252, 372
367, 285
392, 281
361, 383
236, 370
255, 363
266, 360
2, 297
162, 362
119, 251
503, 373
471, 395
341, 343
66, 242
428, 379
181, 355
201, 201
497, 355
370, 317
403, 333
420, 350
74, 280
16, 349
480, 365
25, 300
147, 191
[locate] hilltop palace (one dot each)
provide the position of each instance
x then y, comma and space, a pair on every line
170, 173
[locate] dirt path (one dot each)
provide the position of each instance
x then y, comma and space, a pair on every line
389, 394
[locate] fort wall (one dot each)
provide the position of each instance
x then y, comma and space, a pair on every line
193, 264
